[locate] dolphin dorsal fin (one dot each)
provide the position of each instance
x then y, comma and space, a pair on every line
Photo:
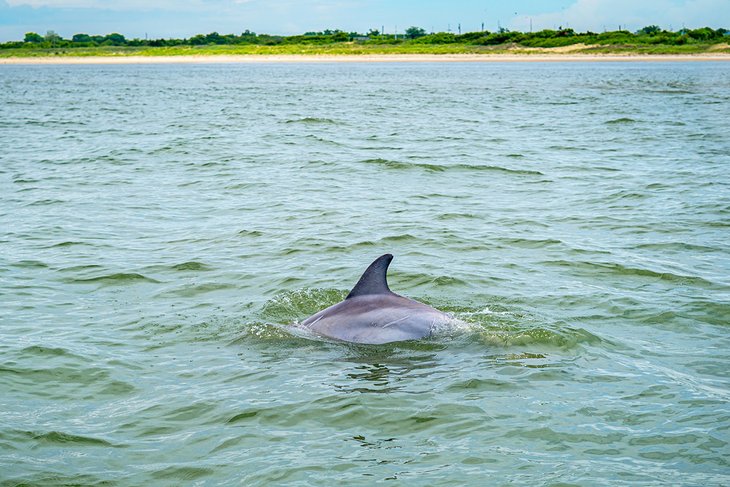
374, 279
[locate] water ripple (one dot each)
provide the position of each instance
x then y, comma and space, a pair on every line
167, 226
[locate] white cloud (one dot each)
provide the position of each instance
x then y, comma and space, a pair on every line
599, 15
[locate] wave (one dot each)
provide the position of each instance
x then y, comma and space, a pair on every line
621, 120
624, 270
30, 264
190, 266
67, 243
250, 233
449, 167
115, 278
529, 243
290, 306
47, 352
192, 290
46, 202
56, 365
677, 246
61, 438
456, 216
313, 121
564, 338
59, 478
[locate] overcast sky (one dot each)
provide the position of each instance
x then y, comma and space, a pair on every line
170, 18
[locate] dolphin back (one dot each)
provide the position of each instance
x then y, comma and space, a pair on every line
373, 314
376, 319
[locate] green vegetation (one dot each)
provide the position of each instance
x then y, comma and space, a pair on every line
649, 40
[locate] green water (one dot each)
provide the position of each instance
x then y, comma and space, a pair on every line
162, 227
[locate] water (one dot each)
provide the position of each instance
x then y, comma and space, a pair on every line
163, 226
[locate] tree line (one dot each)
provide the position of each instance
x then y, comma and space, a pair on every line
651, 34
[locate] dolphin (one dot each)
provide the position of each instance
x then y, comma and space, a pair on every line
373, 314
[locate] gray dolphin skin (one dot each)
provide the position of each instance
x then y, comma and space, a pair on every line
373, 314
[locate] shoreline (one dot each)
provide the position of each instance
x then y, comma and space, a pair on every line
363, 58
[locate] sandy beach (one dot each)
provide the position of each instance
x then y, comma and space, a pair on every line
376, 58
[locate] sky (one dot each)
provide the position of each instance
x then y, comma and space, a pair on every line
185, 18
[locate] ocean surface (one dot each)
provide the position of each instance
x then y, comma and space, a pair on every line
162, 227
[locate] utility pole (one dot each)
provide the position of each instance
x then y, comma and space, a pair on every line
482, 26
459, 28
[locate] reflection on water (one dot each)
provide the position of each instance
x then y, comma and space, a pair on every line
373, 377
381, 372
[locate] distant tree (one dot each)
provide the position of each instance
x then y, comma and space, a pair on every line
415, 32
340, 37
650, 30
268, 40
438, 38
198, 40
33, 38
373, 33
564, 32
545, 34
81, 38
501, 38
246, 37
703, 34
115, 39
213, 38
469, 37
